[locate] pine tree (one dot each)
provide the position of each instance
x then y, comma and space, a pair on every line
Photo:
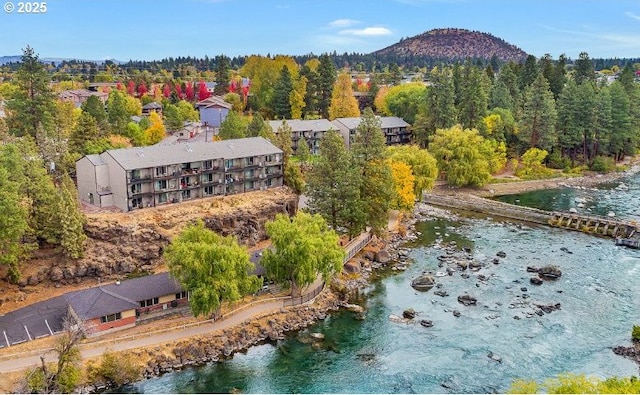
326, 79
343, 103
222, 75
584, 70
283, 141
256, 125
369, 156
72, 236
537, 124
32, 106
94, 107
474, 97
86, 130
622, 140
281, 93
438, 110
302, 151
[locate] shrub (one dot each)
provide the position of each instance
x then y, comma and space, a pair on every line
603, 164
556, 161
116, 369
635, 333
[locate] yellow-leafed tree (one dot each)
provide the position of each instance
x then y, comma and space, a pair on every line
343, 103
403, 180
156, 132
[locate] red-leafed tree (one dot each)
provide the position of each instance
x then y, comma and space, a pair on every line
203, 93
131, 87
179, 91
142, 89
189, 91
119, 86
166, 91
232, 87
245, 92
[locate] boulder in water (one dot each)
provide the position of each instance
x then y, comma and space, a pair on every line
423, 283
426, 323
409, 313
467, 300
549, 272
535, 281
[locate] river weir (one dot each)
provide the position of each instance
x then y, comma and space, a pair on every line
515, 329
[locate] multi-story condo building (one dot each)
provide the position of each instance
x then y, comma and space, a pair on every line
395, 129
311, 130
133, 178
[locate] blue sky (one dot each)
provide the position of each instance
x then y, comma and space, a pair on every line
153, 29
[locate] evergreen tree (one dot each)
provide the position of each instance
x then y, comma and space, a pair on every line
172, 117
333, 186
281, 93
325, 82
222, 75
602, 125
473, 97
529, 72
32, 106
438, 110
72, 236
537, 124
256, 125
13, 226
576, 117
94, 107
117, 113
622, 140
283, 141
233, 127
302, 151
343, 103
584, 70
369, 155
86, 130
499, 97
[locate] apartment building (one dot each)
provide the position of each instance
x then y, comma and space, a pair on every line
135, 178
395, 129
312, 130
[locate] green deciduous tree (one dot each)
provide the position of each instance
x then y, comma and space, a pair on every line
333, 186
95, 107
283, 141
214, 269
233, 127
424, 166
117, 113
460, 156
302, 151
405, 100
303, 248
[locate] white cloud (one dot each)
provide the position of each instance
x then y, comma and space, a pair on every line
632, 15
367, 32
343, 23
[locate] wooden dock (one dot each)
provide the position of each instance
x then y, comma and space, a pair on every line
626, 233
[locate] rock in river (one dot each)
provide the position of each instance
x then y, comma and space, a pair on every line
423, 283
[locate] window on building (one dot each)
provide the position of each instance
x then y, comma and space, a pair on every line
149, 302
181, 295
208, 177
161, 184
161, 170
208, 164
208, 190
163, 197
186, 194
249, 161
111, 318
228, 163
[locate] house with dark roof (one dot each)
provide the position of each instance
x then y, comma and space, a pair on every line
119, 305
151, 107
134, 178
312, 130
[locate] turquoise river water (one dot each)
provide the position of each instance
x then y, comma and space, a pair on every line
597, 292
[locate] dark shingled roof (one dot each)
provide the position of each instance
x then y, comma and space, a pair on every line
115, 298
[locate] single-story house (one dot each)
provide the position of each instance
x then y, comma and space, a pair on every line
117, 306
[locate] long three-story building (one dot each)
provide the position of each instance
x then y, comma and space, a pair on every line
134, 178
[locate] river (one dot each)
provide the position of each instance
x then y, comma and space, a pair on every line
597, 294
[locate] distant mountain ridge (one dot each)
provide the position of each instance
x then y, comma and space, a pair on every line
18, 58
451, 43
